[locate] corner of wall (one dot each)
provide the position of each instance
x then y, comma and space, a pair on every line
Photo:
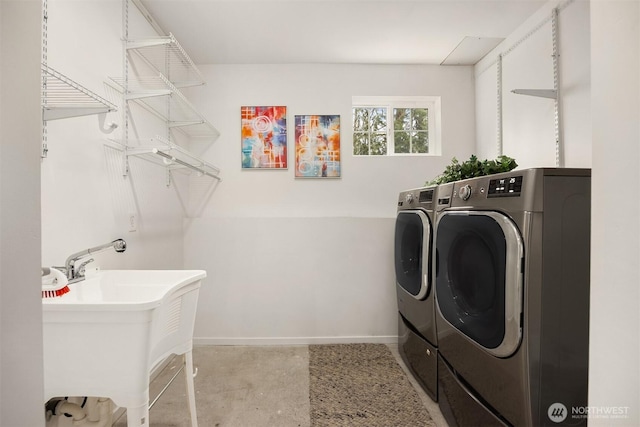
21, 389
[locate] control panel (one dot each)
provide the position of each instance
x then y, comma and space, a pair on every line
426, 196
505, 187
413, 198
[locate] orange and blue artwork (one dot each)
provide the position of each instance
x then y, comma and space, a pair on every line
317, 146
264, 137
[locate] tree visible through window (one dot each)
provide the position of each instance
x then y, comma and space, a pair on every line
411, 130
369, 131
394, 125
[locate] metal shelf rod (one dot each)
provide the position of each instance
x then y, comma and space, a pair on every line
183, 163
167, 386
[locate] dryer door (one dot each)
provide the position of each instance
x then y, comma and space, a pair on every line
479, 278
413, 252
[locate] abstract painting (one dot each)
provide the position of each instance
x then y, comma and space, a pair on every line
264, 137
317, 146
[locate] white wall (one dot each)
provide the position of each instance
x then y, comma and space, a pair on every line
367, 183
528, 122
21, 388
86, 201
294, 260
614, 379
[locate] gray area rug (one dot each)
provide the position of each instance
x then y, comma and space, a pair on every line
361, 385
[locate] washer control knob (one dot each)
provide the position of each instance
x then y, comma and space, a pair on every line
465, 192
409, 198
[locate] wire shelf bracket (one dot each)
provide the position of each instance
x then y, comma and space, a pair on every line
541, 93
64, 98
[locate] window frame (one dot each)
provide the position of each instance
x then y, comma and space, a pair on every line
431, 103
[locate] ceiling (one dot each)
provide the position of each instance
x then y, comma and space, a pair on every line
339, 31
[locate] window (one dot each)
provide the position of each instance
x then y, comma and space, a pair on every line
387, 125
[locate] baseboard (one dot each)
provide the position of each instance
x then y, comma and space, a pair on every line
262, 341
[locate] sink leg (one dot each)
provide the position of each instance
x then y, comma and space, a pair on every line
138, 416
191, 395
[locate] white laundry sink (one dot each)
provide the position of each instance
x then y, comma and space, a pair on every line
105, 336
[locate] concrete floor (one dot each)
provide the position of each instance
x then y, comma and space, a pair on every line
253, 386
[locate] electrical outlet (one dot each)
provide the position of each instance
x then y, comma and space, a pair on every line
133, 222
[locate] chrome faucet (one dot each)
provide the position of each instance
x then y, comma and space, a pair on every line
76, 274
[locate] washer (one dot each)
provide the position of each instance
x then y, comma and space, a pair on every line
417, 338
512, 286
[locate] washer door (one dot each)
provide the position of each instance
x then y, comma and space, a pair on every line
413, 252
479, 278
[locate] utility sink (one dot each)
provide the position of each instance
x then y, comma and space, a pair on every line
106, 334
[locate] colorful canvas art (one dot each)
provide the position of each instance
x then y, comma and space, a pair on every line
317, 146
264, 137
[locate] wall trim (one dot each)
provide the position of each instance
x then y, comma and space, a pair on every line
266, 341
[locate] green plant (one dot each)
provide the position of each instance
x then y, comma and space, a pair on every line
472, 168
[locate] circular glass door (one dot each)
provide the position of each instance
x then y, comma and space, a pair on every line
412, 252
479, 278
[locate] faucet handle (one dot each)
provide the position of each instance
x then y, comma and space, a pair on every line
82, 267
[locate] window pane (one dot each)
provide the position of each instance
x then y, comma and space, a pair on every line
373, 119
360, 119
360, 144
401, 118
420, 142
402, 142
379, 122
378, 145
420, 119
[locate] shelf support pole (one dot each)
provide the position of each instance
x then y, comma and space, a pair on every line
125, 82
556, 87
499, 141
125, 161
44, 47
552, 93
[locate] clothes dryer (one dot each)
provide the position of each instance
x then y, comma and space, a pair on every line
417, 338
512, 286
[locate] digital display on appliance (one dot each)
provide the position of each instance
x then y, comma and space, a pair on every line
426, 196
505, 187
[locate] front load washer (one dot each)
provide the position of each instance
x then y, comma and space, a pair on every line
512, 290
417, 338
